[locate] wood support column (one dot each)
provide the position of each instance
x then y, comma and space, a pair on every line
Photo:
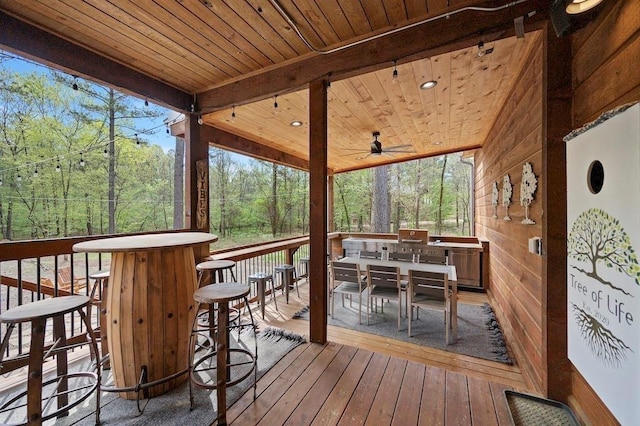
557, 122
318, 211
196, 177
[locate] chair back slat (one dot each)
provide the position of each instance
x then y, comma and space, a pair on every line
402, 257
433, 285
348, 272
363, 254
383, 276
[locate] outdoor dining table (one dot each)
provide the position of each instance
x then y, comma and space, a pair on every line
404, 268
150, 308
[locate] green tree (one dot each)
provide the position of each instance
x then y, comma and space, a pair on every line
596, 238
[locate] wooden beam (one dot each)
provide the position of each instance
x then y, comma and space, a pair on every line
225, 140
318, 118
32, 42
440, 36
557, 123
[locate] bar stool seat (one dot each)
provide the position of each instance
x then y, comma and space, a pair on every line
288, 278
68, 389
216, 268
261, 279
233, 364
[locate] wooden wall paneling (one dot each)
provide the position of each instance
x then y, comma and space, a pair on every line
515, 274
594, 411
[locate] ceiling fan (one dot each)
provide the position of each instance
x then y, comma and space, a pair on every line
376, 148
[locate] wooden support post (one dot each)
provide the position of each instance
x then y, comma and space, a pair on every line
557, 110
318, 211
196, 177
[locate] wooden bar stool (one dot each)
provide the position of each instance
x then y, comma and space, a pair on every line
229, 360
304, 265
101, 286
261, 279
216, 269
77, 385
288, 278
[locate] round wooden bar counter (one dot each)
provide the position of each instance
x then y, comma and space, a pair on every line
150, 306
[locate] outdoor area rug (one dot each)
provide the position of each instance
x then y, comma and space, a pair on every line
173, 408
479, 333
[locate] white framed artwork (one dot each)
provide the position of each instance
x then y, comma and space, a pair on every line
603, 270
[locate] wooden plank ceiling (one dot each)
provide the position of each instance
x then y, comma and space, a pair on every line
244, 52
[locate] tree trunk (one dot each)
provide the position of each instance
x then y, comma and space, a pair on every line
178, 185
273, 206
344, 206
416, 221
112, 163
440, 220
381, 202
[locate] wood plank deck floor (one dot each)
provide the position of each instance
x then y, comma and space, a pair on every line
359, 378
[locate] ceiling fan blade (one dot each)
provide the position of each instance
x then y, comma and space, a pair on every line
393, 151
392, 148
363, 157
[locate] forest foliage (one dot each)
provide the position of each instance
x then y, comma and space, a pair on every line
70, 157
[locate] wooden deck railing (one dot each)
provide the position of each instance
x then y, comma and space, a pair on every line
29, 271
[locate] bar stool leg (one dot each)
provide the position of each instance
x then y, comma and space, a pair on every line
221, 362
60, 338
34, 381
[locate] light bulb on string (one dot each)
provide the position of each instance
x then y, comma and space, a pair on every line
395, 72
105, 152
82, 163
0, 181
35, 173
275, 104
146, 102
233, 114
137, 141
58, 168
75, 82
18, 178
168, 132
200, 120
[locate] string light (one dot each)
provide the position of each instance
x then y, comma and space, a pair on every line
58, 169
200, 120
146, 102
81, 160
275, 103
105, 152
75, 82
0, 181
137, 141
35, 172
395, 71
233, 114
19, 178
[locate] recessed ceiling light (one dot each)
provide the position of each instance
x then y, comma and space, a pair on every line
296, 123
437, 142
428, 84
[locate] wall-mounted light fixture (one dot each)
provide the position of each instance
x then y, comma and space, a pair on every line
579, 6
296, 123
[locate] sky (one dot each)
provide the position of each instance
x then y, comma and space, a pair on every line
159, 136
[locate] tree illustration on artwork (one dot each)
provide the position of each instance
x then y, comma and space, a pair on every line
494, 199
600, 340
528, 187
507, 192
598, 239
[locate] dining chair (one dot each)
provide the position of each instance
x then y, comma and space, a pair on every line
363, 254
346, 279
402, 257
384, 283
430, 290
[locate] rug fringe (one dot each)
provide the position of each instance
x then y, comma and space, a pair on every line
301, 312
496, 336
279, 334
